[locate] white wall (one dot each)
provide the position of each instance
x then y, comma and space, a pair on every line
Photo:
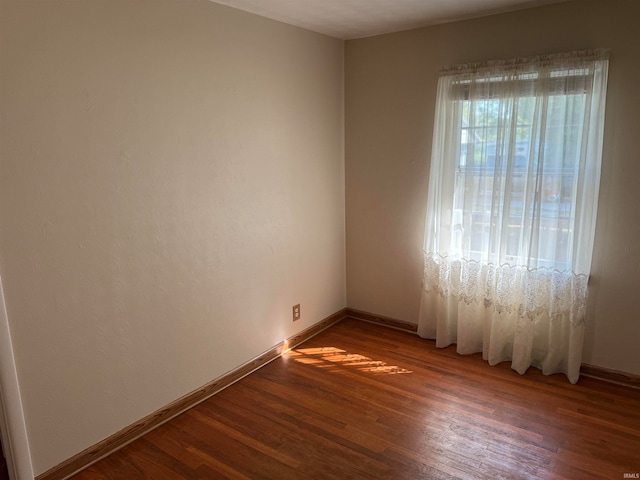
171, 183
389, 108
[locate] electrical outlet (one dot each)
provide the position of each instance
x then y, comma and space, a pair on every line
296, 312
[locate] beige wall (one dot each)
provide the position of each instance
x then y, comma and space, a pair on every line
390, 93
171, 183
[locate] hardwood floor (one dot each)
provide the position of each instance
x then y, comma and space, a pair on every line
361, 401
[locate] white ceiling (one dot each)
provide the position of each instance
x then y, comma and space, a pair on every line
348, 19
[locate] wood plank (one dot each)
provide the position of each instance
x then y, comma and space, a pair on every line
586, 370
364, 401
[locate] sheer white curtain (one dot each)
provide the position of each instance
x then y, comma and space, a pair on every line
513, 194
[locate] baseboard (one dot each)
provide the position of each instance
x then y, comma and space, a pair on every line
127, 435
380, 320
611, 376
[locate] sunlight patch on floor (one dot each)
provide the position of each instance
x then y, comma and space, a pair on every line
330, 357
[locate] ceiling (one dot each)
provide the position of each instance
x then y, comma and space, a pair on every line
347, 19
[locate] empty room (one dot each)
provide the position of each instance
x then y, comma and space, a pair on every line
335, 239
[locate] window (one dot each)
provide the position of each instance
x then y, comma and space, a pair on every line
512, 202
518, 163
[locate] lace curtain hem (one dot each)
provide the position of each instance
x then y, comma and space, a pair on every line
530, 293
